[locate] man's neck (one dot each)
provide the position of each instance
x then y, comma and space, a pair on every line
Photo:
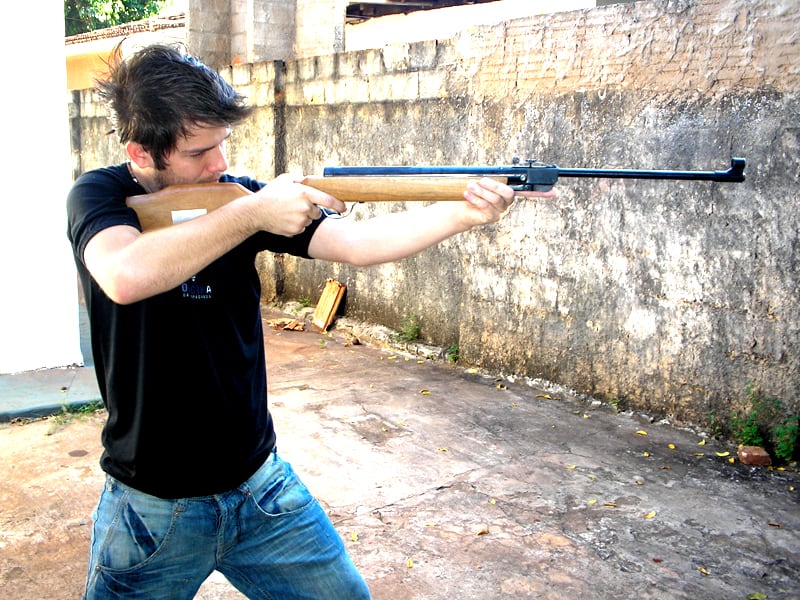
142, 179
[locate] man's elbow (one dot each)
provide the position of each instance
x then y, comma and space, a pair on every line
121, 288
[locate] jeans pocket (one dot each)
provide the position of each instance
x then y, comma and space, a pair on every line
133, 527
282, 493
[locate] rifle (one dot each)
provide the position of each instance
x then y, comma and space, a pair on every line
394, 183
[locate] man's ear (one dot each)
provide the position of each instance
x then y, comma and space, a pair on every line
139, 156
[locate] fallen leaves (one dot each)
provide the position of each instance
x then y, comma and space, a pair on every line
672, 446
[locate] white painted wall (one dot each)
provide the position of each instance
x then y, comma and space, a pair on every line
38, 291
443, 23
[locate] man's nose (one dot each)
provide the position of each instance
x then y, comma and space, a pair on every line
219, 162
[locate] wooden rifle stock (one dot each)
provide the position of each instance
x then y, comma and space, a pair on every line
178, 203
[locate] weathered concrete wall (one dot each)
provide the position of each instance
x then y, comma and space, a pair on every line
91, 140
226, 32
209, 30
670, 296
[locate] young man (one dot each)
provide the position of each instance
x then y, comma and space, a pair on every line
193, 480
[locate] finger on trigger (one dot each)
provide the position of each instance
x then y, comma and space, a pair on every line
330, 202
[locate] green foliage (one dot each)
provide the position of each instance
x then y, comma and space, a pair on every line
452, 353
785, 438
81, 16
409, 329
71, 412
762, 422
715, 425
304, 301
746, 429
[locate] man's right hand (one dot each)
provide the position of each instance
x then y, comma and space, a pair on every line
286, 207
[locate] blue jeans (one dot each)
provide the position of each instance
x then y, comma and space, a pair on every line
269, 537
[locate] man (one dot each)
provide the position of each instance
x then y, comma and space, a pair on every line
194, 482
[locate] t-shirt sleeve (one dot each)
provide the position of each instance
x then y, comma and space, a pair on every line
96, 202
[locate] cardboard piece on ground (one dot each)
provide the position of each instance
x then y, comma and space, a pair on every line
328, 304
286, 324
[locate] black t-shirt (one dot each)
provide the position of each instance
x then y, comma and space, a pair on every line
183, 373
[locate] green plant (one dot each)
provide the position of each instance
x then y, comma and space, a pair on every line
451, 353
763, 422
785, 437
81, 16
409, 329
304, 301
715, 425
746, 429
71, 412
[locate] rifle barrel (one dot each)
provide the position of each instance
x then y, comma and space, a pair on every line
527, 173
733, 175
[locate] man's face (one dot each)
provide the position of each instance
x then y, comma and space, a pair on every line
198, 158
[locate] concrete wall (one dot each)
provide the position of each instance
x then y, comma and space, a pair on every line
226, 32
669, 296
229, 32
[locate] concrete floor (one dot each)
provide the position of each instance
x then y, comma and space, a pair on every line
448, 483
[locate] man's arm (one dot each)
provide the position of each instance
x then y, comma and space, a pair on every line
130, 266
398, 235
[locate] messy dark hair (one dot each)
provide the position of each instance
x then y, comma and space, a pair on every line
157, 94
